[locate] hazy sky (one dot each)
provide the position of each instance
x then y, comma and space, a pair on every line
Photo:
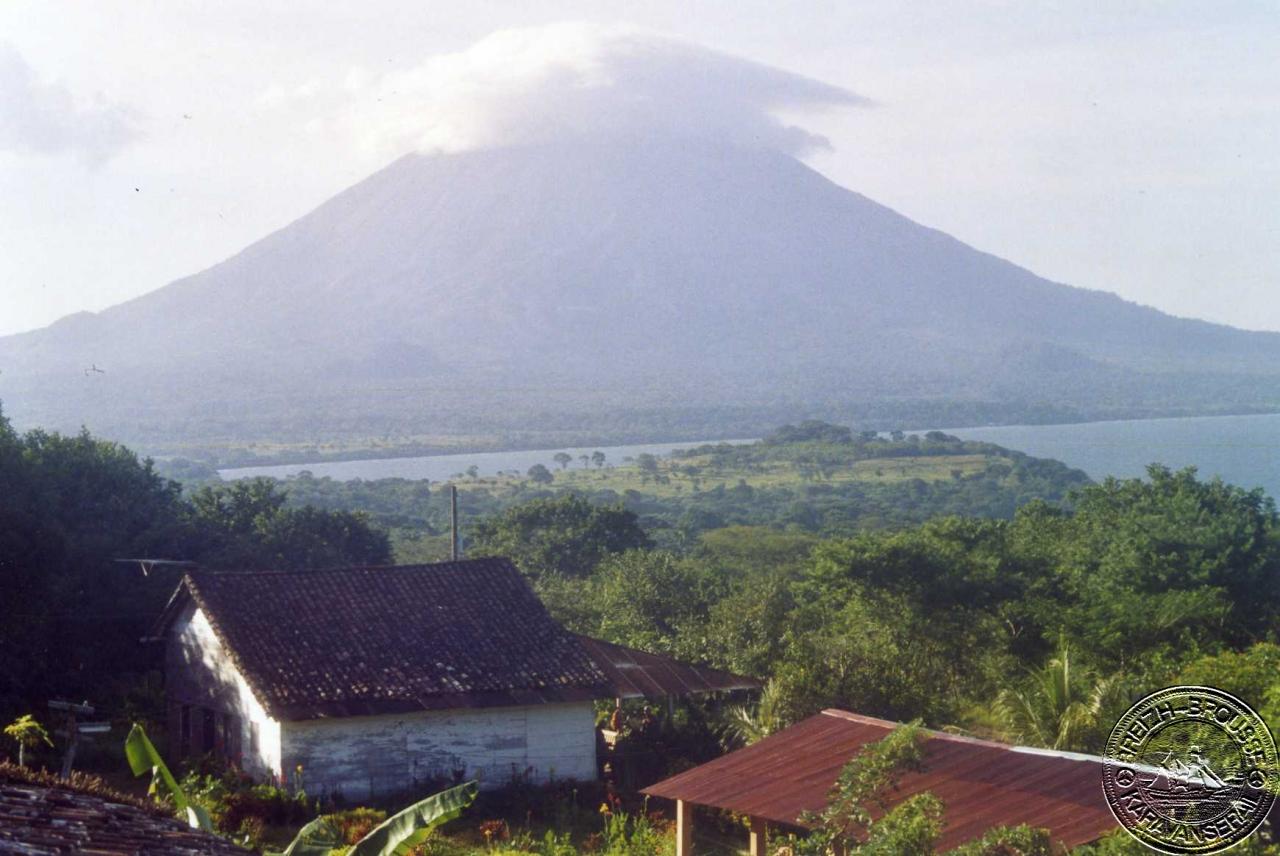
1131, 146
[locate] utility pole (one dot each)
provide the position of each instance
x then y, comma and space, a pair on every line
453, 522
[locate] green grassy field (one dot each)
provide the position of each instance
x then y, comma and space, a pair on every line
677, 477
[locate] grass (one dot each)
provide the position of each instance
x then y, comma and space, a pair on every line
675, 478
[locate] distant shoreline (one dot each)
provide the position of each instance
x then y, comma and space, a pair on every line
411, 450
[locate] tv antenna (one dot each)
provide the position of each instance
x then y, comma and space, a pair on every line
148, 564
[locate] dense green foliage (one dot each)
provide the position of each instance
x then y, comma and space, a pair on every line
813, 477
1061, 614
70, 507
565, 535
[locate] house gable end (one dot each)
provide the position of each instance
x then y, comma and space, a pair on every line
211, 704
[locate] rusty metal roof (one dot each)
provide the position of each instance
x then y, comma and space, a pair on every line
639, 674
981, 784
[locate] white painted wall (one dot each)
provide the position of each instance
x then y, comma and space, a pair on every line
199, 673
371, 755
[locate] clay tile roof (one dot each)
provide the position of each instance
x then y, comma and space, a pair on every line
370, 640
981, 784
40, 814
355, 641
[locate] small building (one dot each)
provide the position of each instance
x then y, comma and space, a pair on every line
982, 785
374, 680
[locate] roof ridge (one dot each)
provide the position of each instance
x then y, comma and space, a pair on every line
227, 572
963, 738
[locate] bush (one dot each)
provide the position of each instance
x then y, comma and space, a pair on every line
233, 800
272, 805
635, 835
356, 823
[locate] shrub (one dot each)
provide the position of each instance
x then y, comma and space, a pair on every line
272, 805
635, 835
232, 799
356, 823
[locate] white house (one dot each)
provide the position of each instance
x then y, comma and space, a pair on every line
378, 680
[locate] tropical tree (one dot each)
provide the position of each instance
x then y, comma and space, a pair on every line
648, 465
562, 535
597, 458
247, 525
539, 474
745, 725
563, 459
28, 734
1061, 706
652, 600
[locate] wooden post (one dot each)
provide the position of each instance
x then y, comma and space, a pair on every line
758, 837
684, 828
71, 731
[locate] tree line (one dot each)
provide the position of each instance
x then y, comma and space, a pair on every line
73, 508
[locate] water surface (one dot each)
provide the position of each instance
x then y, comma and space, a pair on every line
1243, 450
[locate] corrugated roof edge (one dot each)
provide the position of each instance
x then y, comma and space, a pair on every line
676, 787
642, 674
964, 738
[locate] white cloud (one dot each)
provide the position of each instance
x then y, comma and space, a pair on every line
45, 118
565, 81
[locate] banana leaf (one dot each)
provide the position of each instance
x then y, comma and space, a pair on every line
395, 836
317, 838
143, 758
398, 834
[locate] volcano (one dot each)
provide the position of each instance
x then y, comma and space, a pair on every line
677, 287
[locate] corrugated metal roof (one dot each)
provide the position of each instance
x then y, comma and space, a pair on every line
981, 784
639, 674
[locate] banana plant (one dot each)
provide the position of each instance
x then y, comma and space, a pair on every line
395, 836
143, 758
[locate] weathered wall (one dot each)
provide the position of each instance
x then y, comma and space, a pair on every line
362, 756
201, 677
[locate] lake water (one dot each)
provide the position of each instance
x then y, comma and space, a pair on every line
1243, 450
443, 467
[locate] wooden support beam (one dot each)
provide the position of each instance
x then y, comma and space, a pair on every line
758, 840
684, 828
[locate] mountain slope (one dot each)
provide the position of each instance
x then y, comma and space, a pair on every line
451, 293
